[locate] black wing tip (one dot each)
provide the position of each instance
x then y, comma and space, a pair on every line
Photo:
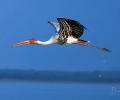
49, 22
61, 18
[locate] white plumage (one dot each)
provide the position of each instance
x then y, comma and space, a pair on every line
71, 40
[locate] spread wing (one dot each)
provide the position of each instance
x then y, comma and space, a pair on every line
70, 27
55, 25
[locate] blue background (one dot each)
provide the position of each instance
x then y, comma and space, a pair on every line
24, 19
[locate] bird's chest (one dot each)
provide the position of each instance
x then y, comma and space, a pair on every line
68, 40
71, 40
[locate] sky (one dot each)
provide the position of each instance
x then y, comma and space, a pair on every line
25, 19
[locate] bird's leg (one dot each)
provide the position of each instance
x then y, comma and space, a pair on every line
101, 49
85, 43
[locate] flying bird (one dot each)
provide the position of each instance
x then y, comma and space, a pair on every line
68, 32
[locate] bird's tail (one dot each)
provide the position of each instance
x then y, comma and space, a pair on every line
87, 44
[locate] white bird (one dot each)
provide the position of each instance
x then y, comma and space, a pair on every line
68, 32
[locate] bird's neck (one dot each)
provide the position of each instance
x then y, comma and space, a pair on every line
45, 42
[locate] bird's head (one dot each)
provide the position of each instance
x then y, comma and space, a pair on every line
29, 41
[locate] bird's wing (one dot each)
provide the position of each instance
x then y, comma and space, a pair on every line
55, 25
70, 27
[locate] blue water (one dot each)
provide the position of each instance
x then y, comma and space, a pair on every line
58, 91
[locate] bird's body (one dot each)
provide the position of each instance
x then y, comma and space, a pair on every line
68, 32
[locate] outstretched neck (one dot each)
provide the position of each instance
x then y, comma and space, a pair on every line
45, 42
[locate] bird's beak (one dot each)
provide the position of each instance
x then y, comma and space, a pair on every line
30, 41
